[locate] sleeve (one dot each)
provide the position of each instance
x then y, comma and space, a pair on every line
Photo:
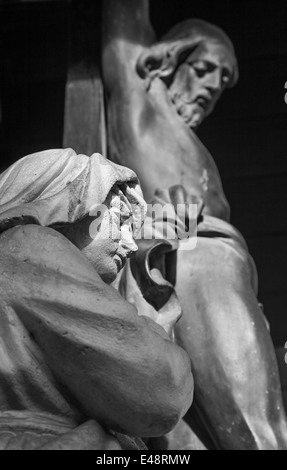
121, 368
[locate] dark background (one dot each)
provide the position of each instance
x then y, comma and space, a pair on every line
246, 134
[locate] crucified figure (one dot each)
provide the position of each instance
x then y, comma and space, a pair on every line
158, 92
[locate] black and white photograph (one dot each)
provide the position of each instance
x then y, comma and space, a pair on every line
143, 227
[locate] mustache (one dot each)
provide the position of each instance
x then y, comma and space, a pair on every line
191, 110
203, 99
185, 109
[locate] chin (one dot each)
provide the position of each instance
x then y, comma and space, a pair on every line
192, 117
108, 276
105, 266
195, 120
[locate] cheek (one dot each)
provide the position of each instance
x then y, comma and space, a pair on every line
186, 81
106, 269
110, 227
100, 253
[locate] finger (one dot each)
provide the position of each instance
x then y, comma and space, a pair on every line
162, 196
178, 195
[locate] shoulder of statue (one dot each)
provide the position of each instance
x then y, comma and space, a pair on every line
37, 244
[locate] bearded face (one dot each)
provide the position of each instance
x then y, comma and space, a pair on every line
199, 82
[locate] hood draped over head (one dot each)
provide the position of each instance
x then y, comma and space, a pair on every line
60, 187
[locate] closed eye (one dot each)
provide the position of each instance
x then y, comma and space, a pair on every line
126, 217
202, 67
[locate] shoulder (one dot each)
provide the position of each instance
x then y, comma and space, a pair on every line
43, 247
36, 237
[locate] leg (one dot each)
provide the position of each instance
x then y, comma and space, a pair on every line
237, 387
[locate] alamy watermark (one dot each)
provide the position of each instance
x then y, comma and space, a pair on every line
162, 222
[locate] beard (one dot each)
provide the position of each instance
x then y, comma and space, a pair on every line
189, 111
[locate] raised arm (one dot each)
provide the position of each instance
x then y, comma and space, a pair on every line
126, 31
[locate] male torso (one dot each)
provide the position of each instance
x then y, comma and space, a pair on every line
150, 137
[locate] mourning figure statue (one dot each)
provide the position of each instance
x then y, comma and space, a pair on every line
80, 367
157, 93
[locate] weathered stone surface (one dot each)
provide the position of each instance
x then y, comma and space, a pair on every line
158, 92
76, 358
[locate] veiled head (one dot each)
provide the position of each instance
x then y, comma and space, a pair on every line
95, 203
197, 62
106, 235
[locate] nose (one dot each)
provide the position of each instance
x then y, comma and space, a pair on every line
127, 242
132, 247
129, 247
213, 80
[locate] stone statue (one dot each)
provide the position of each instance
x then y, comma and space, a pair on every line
80, 369
158, 92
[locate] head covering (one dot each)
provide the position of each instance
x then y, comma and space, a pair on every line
60, 187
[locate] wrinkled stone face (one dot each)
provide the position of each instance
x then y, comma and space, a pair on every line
109, 248
200, 81
105, 238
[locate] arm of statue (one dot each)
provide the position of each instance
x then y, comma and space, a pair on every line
122, 369
126, 31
